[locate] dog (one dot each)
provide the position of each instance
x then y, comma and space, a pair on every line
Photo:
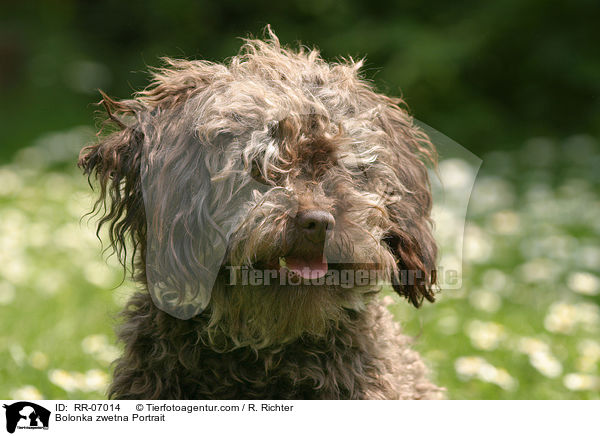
263, 205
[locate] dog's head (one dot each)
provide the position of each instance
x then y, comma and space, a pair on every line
277, 192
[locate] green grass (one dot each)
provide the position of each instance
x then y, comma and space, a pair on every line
524, 325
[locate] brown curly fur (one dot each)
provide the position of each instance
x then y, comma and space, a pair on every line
289, 120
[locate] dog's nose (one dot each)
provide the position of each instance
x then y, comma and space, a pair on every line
315, 223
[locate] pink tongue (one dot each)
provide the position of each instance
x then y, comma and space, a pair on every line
307, 269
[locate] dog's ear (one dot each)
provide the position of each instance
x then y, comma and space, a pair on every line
186, 237
115, 162
156, 188
157, 197
407, 156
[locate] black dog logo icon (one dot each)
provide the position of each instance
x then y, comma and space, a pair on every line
28, 415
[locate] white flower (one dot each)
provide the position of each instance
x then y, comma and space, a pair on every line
477, 367
99, 274
584, 283
485, 335
99, 347
506, 222
485, 301
546, 364
588, 315
477, 244
589, 355
95, 380
539, 270
581, 382
456, 175
38, 360
63, 379
491, 193
448, 225
469, 366
496, 280
560, 318
15, 268
505, 380
540, 356
92, 380
26, 392
94, 343
531, 345
565, 318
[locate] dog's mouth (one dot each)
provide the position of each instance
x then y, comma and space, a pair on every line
307, 267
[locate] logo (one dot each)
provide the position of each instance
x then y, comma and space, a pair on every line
26, 415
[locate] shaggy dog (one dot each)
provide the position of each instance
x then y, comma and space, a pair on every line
263, 205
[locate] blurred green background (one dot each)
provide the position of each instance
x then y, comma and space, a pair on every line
515, 82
